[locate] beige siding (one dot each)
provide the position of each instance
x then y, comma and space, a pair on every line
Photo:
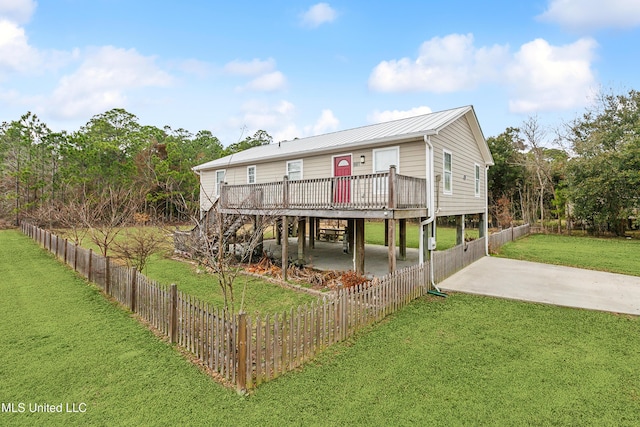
458, 139
207, 190
412, 163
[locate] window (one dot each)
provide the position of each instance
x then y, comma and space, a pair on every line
294, 170
384, 158
219, 180
251, 175
477, 187
448, 175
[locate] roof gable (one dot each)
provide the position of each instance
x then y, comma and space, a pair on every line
380, 133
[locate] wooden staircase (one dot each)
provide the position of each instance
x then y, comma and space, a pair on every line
205, 237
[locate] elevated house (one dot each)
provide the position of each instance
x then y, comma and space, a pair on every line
415, 168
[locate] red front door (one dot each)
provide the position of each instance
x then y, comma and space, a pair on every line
342, 187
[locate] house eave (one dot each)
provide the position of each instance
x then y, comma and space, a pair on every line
318, 151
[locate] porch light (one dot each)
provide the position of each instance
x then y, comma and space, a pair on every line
362, 159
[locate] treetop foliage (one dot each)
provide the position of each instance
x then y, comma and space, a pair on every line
113, 150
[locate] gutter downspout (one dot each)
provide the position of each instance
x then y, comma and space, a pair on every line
432, 211
486, 211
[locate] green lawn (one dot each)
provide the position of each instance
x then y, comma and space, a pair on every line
613, 255
259, 296
445, 236
463, 360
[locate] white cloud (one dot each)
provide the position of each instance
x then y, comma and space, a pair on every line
102, 81
279, 120
546, 78
446, 64
258, 114
539, 77
18, 11
195, 67
266, 77
389, 115
592, 14
317, 15
326, 123
267, 83
16, 55
250, 68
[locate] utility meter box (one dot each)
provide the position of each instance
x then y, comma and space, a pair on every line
431, 243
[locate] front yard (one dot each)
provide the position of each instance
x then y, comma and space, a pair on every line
464, 360
615, 255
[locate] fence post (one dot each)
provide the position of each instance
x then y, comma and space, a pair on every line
66, 245
107, 275
134, 280
90, 264
338, 318
241, 375
173, 313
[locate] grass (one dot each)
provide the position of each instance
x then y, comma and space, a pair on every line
464, 360
615, 255
446, 236
259, 295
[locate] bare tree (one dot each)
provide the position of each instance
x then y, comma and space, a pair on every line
69, 217
105, 215
537, 164
138, 244
220, 241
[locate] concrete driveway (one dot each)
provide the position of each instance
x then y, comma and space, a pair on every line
548, 284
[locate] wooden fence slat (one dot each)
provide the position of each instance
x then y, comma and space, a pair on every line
272, 345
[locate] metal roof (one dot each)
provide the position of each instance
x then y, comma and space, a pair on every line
377, 133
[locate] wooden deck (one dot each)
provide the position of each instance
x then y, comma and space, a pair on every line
381, 195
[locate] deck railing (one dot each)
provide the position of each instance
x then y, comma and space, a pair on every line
386, 190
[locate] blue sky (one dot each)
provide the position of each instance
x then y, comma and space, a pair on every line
299, 68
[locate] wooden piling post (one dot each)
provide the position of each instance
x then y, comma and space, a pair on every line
359, 250
285, 246
392, 222
403, 239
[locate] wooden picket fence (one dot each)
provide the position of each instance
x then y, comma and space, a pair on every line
244, 350
496, 240
447, 262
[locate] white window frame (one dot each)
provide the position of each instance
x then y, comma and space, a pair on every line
380, 184
478, 175
396, 164
288, 170
446, 190
255, 175
218, 182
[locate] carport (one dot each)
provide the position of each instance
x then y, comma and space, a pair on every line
548, 284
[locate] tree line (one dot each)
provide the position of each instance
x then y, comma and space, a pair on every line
44, 172
584, 173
